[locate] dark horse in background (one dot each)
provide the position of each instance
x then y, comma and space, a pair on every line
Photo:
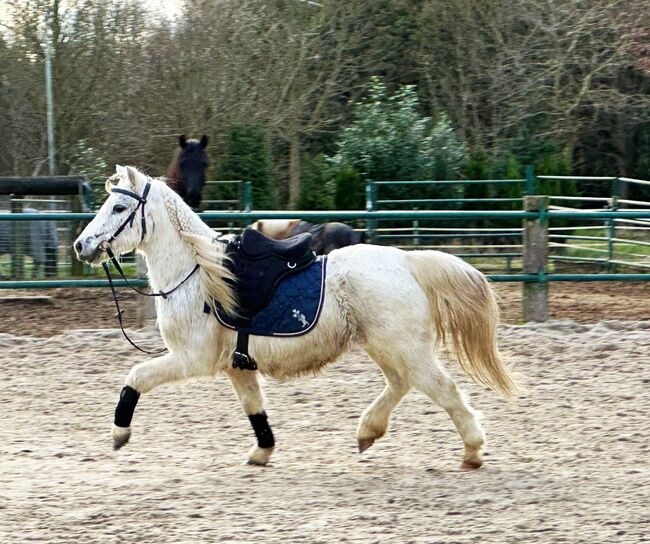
186, 174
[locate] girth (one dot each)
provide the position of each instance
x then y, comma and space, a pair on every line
259, 265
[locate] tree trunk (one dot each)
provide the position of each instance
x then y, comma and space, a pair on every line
294, 170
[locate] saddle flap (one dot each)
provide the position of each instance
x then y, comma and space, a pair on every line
256, 245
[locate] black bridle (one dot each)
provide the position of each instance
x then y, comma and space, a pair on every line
142, 200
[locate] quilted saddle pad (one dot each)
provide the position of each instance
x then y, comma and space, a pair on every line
294, 308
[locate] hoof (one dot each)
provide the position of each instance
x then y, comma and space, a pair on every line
121, 436
471, 464
259, 456
365, 443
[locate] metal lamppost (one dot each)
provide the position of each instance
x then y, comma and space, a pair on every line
49, 96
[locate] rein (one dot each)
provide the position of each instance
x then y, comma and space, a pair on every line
142, 200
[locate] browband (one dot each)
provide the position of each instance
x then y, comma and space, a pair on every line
142, 200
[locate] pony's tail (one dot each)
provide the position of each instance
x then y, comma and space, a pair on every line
465, 314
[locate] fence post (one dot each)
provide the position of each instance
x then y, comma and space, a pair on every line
531, 181
19, 240
611, 224
76, 266
371, 224
535, 257
416, 232
147, 308
248, 196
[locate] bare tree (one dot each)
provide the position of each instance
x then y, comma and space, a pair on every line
302, 64
549, 69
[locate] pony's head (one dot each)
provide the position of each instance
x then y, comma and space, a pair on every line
119, 221
125, 222
188, 171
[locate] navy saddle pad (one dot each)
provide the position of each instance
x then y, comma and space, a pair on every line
280, 285
294, 308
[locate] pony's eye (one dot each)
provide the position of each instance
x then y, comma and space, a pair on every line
118, 208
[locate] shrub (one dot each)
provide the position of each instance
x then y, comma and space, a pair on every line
389, 139
318, 188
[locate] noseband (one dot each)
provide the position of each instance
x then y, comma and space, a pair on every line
142, 200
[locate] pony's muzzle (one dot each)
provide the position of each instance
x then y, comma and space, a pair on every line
87, 249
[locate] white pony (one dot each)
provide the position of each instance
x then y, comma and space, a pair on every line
399, 307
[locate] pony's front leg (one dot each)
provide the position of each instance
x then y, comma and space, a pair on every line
142, 379
246, 385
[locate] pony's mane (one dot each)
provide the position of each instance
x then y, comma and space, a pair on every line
215, 277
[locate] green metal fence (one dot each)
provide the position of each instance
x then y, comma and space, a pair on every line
611, 244
235, 195
595, 234
395, 215
588, 231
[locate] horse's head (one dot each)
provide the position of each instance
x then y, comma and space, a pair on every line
193, 164
120, 221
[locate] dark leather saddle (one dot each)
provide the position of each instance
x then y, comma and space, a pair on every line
259, 265
256, 245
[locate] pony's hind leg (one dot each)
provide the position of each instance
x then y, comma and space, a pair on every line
434, 382
374, 421
246, 385
142, 378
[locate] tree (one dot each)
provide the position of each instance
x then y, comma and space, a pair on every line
534, 71
301, 64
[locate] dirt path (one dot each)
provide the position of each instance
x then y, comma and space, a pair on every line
565, 463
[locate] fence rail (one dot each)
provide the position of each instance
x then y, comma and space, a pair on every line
352, 215
621, 232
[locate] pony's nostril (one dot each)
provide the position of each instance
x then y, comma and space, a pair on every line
78, 246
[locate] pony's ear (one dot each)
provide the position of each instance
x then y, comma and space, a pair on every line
132, 176
112, 181
204, 141
182, 141
258, 225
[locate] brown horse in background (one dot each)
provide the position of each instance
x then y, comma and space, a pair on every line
187, 172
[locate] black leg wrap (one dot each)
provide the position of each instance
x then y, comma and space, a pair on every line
262, 430
126, 406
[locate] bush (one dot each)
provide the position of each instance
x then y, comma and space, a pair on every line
350, 189
556, 163
318, 187
389, 139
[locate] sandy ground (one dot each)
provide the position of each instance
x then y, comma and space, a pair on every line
567, 462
